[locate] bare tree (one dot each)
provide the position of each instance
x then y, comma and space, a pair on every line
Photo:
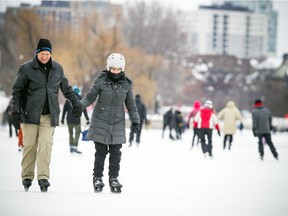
152, 27
19, 34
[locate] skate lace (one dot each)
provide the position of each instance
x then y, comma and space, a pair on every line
114, 180
115, 183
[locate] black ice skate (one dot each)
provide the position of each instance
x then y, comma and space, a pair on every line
115, 186
44, 184
27, 183
98, 184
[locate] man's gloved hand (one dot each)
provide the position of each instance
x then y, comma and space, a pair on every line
77, 111
135, 127
188, 125
87, 122
16, 119
254, 132
219, 132
62, 121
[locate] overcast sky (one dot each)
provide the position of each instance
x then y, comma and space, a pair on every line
279, 5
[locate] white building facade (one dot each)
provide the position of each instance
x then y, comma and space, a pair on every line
226, 32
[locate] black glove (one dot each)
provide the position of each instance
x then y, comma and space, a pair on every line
188, 125
219, 132
16, 120
135, 127
62, 121
271, 127
254, 132
241, 126
87, 122
77, 111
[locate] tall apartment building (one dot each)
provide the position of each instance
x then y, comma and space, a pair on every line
226, 30
263, 7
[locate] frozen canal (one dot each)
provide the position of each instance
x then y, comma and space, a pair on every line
160, 177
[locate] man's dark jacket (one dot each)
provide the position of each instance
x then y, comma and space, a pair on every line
31, 87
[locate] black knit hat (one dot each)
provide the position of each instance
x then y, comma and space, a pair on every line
44, 44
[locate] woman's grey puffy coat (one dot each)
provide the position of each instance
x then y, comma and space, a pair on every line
108, 118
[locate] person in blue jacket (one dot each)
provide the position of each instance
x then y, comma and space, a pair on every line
73, 123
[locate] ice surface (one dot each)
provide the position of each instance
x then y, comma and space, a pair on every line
160, 177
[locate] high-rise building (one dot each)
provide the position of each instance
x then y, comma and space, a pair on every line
227, 30
263, 7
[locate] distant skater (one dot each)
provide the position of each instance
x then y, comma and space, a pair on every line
262, 125
168, 121
192, 114
230, 115
206, 120
143, 119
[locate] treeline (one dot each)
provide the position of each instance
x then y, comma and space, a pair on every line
148, 35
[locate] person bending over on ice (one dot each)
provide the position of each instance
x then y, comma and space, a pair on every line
113, 90
206, 120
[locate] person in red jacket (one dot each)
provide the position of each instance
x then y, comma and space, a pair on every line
206, 120
192, 114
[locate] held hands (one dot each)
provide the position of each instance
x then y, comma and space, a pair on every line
219, 133
135, 127
16, 119
77, 111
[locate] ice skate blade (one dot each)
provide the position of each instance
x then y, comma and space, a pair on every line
98, 189
43, 189
26, 188
115, 189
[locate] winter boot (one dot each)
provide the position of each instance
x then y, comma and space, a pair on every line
76, 150
71, 148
